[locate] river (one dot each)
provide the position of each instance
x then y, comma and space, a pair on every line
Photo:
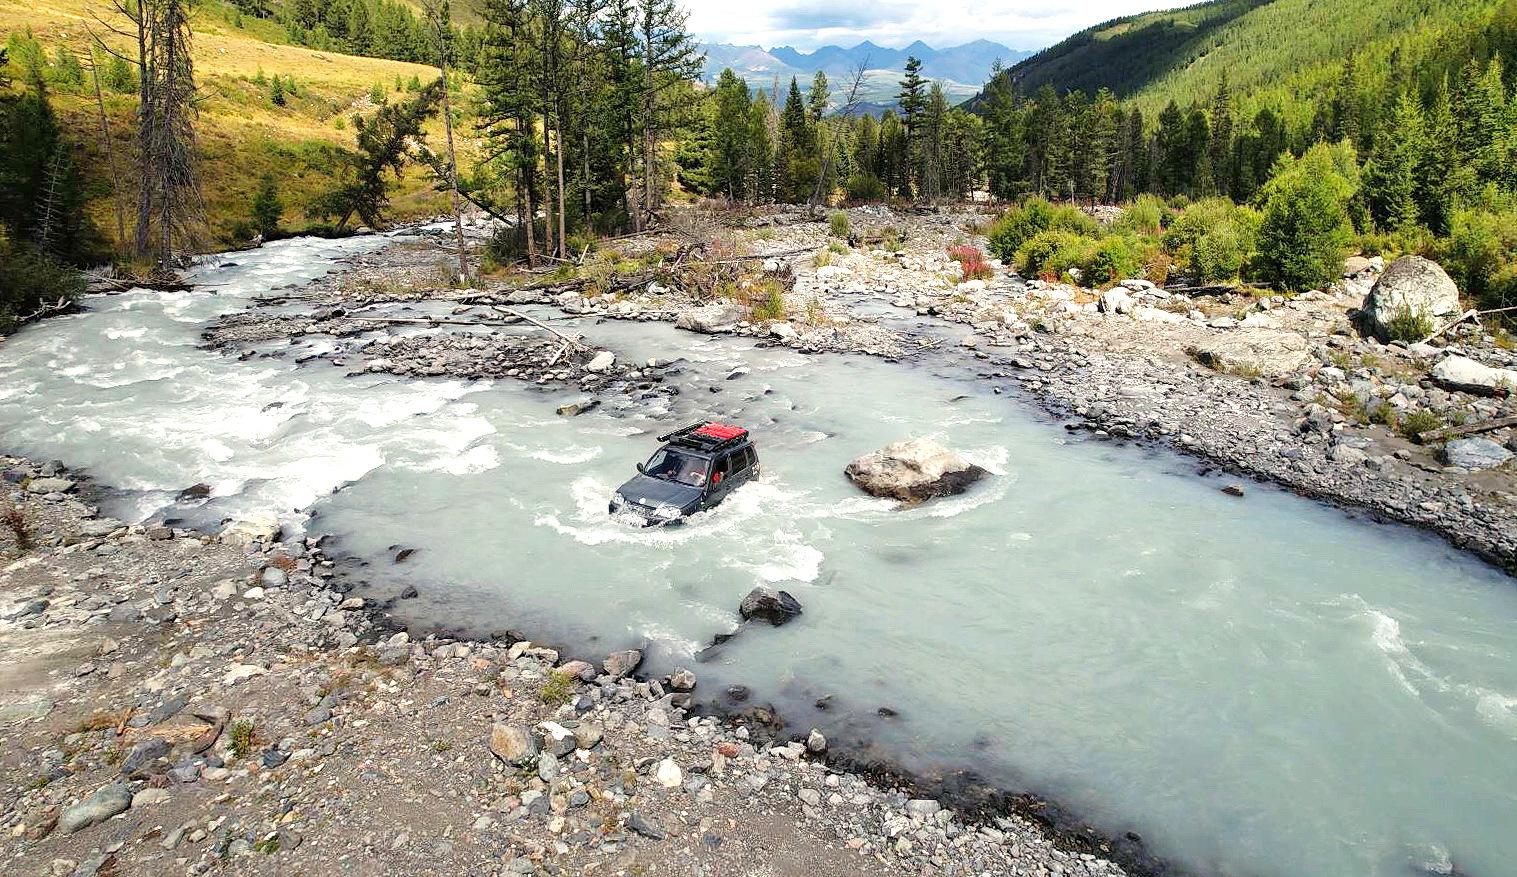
1259, 686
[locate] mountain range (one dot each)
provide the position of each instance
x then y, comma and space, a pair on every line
961, 69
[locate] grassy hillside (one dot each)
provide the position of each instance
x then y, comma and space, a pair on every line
243, 133
1268, 49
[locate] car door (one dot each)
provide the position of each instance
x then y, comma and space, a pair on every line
722, 480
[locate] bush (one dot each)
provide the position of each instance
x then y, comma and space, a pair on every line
1410, 326
1148, 215
30, 280
1415, 423
976, 269
1022, 223
866, 187
821, 258
1051, 254
837, 224
1306, 228
1115, 258
267, 208
1480, 255
965, 253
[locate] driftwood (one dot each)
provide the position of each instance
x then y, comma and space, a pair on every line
1453, 432
435, 321
1469, 314
521, 316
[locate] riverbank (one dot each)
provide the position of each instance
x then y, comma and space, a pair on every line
213, 703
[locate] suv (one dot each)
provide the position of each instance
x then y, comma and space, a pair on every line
695, 469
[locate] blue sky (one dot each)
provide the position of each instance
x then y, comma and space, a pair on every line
1030, 24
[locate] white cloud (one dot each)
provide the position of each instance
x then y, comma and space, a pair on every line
1034, 24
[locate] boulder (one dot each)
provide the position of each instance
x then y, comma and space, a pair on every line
619, 664
50, 485
1475, 453
1465, 375
711, 319
913, 472
1412, 285
258, 527
768, 604
114, 798
1253, 353
1116, 301
827, 271
602, 362
513, 744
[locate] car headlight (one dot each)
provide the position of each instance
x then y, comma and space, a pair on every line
667, 512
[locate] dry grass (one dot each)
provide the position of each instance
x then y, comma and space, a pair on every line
243, 135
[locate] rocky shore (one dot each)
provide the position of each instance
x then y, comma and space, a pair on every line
186, 702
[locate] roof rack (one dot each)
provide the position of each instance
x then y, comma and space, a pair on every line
707, 435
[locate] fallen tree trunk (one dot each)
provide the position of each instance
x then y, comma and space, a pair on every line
1453, 432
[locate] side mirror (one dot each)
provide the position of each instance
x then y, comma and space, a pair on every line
640, 468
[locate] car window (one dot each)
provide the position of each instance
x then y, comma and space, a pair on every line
750, 457
671, 465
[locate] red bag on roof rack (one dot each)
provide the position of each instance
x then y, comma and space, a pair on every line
721, 431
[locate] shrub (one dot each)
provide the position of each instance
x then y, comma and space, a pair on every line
1019, 225
771, 308
14, 519
837, 224
31, 279
1306, 226
240, 744
1415, 423
1148, 215
866, 187
558, 689
1409, 325
1114, 259
1480, 255
267, 208
975, 269
821, 258
965, 253
1052, 253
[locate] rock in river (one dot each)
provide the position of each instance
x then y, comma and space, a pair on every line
619, 664
711, 319
913, 471
1412, 286
767, 604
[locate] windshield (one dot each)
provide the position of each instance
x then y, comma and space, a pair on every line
677, 466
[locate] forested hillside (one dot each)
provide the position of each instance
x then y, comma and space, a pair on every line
1266, 49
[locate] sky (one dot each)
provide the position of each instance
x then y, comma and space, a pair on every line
1019, 24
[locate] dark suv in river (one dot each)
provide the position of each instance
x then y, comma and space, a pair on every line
695, 469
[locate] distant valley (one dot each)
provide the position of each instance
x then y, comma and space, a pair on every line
961, 69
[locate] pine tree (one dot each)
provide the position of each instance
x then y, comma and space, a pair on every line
267, 208
817, 97
912, 100
1390, 175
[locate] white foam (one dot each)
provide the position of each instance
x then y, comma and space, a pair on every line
567, 457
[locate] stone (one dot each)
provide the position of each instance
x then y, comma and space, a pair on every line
619, 664
102, 805
1136, 285
923, 807
513, 744
1411, 285
1253, 353
829, 271
150, 797
816, 742
34, 708
581, 670
682, 680
602, 362
637, 823
768, 604
50, 485
1475, 453
1346, 454
711, 319
1233, 490
258, 527
1465, 375
1355, 265
913, 471
142, 753
668, 774
783, 331
1116, 301
557, 741
575, 409
274, 577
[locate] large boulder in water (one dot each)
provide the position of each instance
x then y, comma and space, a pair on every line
1413, 286
711, 319
913, 471
767, 604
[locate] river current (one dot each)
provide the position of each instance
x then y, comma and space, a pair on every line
1265, 686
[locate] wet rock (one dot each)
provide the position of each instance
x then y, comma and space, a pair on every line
619, 664
575, 409
1233, 490
682, 680
513, 744
816, 741
1475, 453
1411, 285
1253, 353
194, 493
262, 528
711, 319
102, 805
601, 362
768, 604
50, 485
913, 472
1465, 375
